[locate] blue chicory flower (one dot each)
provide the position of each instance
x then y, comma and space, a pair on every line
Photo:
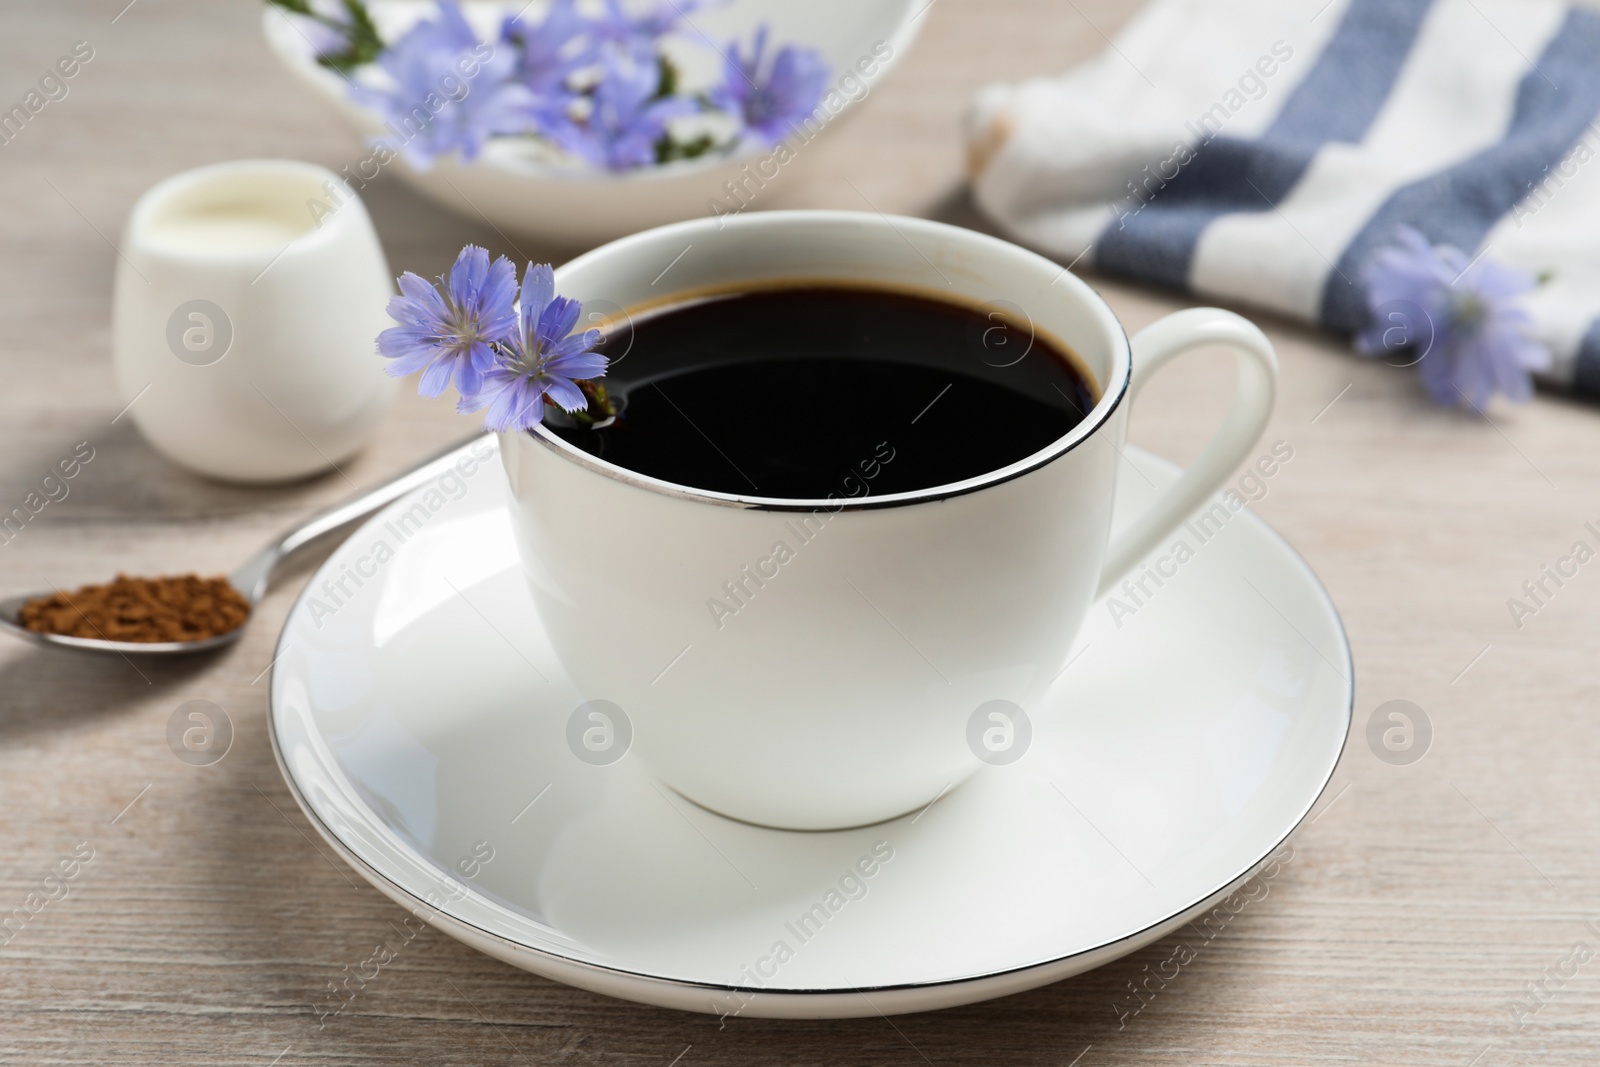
770, 100
1461, 320
541, 359
433, 106
600, 88
637, 35
549, 53
626, 118
449, 331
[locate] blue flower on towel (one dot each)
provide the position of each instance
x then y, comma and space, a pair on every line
1459, 320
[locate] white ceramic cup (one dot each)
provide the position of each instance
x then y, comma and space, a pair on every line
247, 298
846, 688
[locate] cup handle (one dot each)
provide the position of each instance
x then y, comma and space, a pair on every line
1153, 348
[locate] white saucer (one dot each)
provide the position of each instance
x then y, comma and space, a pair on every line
422, 726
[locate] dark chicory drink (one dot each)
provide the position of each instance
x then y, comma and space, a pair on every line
806, 391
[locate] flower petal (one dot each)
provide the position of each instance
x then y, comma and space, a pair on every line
497, 300
483, 397
411, 362
469, 379
563, 392
436, 379
509, 409
467, 276
538, 288
557, 321
580, 365
419, 300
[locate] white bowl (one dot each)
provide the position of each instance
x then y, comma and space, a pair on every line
516, 186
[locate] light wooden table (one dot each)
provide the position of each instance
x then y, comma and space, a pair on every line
1421, 900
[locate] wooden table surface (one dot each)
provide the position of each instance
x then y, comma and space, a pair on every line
1423, 901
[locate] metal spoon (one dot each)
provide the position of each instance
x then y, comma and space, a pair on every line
251, 579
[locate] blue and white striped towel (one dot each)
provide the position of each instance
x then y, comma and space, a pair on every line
1263, 150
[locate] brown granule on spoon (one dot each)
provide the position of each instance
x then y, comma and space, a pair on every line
184, 607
